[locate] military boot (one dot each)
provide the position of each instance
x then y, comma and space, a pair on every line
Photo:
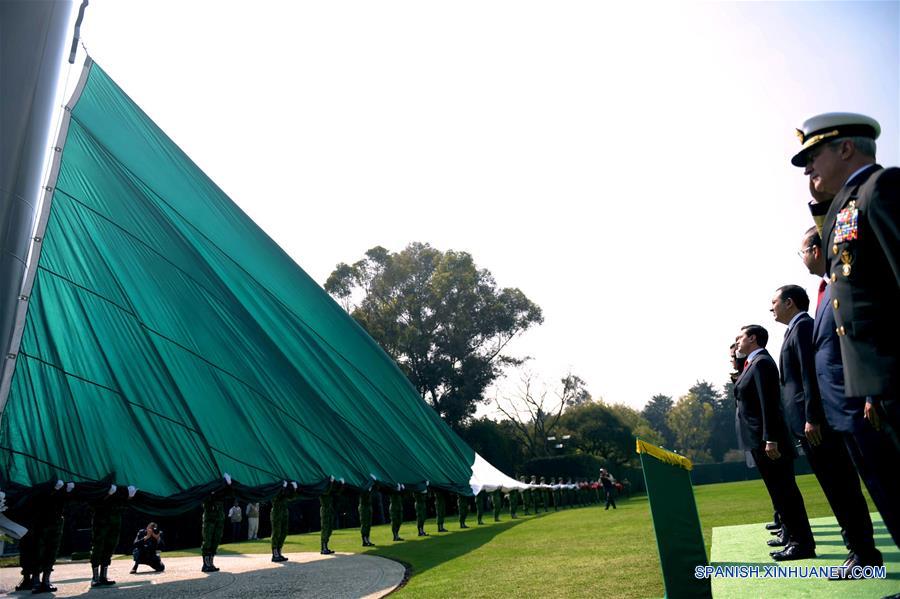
208, 565
325, 550
103, 580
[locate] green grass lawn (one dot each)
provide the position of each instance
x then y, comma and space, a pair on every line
584, 552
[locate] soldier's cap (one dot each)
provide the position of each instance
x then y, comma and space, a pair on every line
828, 127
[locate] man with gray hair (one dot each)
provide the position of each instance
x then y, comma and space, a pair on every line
860, 234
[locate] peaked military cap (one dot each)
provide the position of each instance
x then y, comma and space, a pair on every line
824, 128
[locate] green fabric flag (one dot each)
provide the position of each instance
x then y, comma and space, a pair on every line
169, 340
675, 521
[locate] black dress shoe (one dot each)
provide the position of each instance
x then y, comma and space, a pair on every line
794, 552
777, 542
852, 561
776, 531
43, 587
772, 526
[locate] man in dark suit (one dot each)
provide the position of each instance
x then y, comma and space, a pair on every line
805, 417
860, 230
761, 430
874, 456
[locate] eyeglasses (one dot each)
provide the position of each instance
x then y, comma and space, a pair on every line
805, 251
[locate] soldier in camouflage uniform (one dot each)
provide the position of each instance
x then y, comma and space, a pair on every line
326, 521
421, 510
545, 494
365, 517
40, 544
279, 518
440, 508
536, 495
106, 525
514, 496
526, 497
462, 504
213, 526
480, 500
396, 509
497, 499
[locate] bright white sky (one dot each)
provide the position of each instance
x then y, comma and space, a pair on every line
626, 166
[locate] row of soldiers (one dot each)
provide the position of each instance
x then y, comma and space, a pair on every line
39, 547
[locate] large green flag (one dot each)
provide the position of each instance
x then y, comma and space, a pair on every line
675, 521
169, 341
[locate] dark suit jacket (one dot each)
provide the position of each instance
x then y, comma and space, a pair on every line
799, 388
759, 415
866, 297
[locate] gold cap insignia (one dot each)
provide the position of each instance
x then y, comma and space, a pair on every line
799, 134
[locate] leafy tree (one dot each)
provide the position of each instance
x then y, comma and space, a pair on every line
722, 433
442, 319
597, 429
535, 413
637, 423
496, 442
656, 413
575, 391
690, 420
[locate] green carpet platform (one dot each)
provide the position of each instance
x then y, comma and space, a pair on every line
745, 545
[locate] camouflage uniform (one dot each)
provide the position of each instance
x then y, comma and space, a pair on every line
545, 495
462, 504
421, 511
440, 509
498, 504
536, 495
396, 509
480, 500
106, 525
326, 521
365, 517
39, 546
513, 504
279, 518
213, 526
526, 497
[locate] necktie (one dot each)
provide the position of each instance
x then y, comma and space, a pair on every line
821, 293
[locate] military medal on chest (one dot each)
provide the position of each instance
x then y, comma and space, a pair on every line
846, 259
846, 226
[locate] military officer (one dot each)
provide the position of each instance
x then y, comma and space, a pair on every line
514, 496
860, 234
